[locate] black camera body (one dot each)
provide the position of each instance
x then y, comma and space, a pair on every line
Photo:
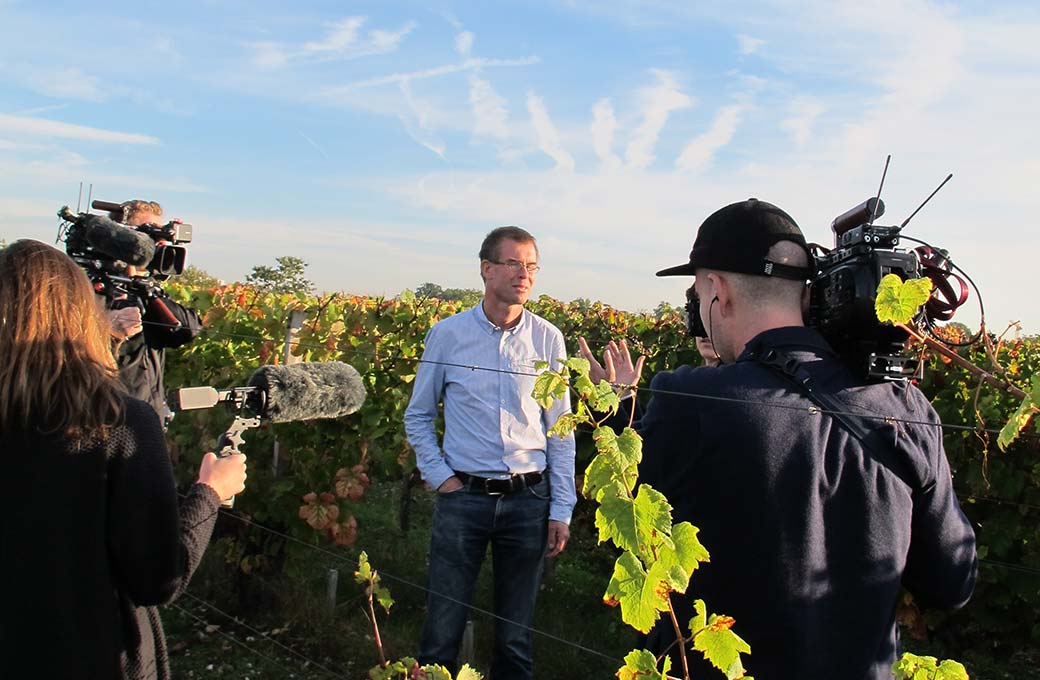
106, 249
844, 288
843, 291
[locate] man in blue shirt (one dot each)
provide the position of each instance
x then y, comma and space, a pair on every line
499, 478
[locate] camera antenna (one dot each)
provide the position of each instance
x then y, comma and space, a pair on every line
948, 178
79, 198
877, 201
90, 192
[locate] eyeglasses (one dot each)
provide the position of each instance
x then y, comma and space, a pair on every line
516, 265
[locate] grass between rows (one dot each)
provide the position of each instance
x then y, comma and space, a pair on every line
266, 624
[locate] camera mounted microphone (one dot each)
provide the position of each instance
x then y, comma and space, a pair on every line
99, 234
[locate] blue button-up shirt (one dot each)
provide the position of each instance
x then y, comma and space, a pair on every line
492, 425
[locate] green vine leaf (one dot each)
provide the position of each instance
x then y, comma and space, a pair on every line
468, 673
638, 525
642, 595
602, 473
548, 387
642, 665
369, 577
604, 399
579, 365
564, 426
721, 646
913, 667
683, 555
897, 301
1018, 421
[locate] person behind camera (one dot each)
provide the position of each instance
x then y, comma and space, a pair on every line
812, 529
142, 340
91, 533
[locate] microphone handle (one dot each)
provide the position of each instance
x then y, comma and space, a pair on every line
229, 442
226, 448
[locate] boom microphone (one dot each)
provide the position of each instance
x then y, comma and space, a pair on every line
308, 390
117, 241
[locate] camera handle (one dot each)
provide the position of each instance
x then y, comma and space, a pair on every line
232, 439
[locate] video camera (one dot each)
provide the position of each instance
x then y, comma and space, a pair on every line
843, 290
106, 249
170, 254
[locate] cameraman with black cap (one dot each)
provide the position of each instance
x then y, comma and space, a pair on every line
144, 339
813, 519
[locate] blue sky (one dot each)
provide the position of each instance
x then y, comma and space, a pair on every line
380, 141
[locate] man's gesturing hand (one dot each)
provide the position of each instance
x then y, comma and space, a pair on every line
617, 367
559, 534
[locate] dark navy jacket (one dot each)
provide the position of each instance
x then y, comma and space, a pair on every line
810, 535
142, 358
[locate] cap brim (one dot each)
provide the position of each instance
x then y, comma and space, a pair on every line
679, 270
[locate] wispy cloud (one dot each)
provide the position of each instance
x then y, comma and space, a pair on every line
490, 116
748, 45
42, 127
603, 127
548, 137
314, 144
698, 154
802, 115
417, 121
435, 72
658, 102
63, 82
343, 40
464, 43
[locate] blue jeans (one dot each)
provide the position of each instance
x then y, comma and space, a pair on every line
464, 521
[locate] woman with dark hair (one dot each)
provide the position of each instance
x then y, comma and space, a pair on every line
91, 536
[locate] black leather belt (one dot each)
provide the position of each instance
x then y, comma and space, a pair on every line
497, 487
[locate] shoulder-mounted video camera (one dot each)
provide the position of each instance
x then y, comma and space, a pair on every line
106, 250
844, 288
170, 253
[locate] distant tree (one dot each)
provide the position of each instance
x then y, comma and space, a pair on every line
469, 296
3, 243
429, 290
286, 277
197, 279
664, 309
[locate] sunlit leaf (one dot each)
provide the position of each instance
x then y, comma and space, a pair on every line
897, 301
641, 595
721, 646
642, 665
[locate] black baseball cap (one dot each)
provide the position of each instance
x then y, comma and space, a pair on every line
738, 237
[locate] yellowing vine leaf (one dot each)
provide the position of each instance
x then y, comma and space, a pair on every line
721, 646
684, 553
548, 387
641, 594
369, 577
913, 667
637, 524
1018, 421
897, 301
642, 665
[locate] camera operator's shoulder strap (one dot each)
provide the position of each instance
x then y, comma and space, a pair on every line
870, 437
